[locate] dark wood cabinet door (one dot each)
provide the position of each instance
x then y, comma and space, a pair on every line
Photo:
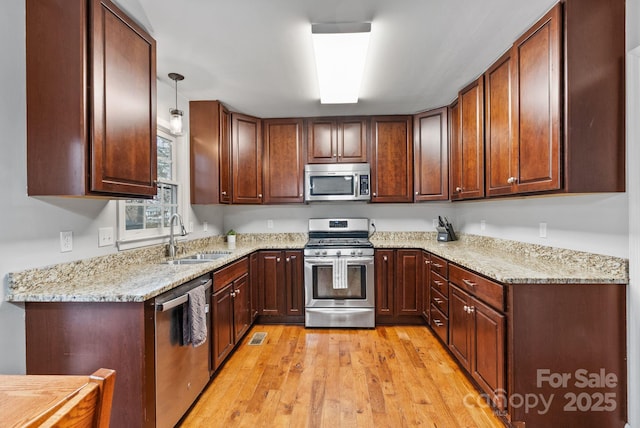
294, 282
408, 287
253, 284
241, 307
226, 177
123, 145
501, 120
205, 149
468, 157
539, 73
271, 288
455, 149
222, 324
247, 159
488, 354
425, 282
459, 326
431, 154
352, 140
391, 159
322, 141
384, 264
283, 161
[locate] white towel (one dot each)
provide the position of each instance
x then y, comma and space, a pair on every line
194, 324
340, 274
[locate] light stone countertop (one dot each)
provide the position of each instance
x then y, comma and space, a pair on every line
138, 275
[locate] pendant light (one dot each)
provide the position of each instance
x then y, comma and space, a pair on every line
175, 122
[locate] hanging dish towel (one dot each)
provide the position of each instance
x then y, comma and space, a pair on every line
194, 325
340, 274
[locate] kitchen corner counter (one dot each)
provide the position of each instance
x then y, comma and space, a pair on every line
138, 275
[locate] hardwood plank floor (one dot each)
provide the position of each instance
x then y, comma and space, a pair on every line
386, 377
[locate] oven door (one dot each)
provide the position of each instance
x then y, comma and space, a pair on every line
322, 290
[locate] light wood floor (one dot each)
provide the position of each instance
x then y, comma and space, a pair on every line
387, 377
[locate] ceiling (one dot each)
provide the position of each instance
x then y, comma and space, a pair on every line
256, 55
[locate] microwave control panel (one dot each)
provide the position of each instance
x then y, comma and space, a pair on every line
364, 184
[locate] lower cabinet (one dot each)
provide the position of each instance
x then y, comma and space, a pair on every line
398, 277
231, 309
281, 286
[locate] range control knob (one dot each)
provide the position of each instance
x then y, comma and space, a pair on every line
359, 252
317, 252
338, 252
324, 252
353, 252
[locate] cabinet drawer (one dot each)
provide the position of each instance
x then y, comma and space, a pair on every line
440, 301
229, 273
484, 289
440, 284
440, 324
439, 266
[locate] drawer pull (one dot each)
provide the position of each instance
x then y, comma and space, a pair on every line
469, 283
438, 283
437, 300
437, 322
438, 265
426, 262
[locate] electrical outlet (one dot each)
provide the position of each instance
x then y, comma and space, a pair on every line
483, 224
372, 221
190, 226
205, 226
434, 222
269, 224
105, 236
66, 241
543, 230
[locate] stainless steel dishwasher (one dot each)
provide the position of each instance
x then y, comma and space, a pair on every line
182, 371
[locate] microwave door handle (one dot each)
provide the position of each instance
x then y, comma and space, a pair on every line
356, 184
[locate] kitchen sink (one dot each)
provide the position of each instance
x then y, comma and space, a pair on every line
198, 258
186, 261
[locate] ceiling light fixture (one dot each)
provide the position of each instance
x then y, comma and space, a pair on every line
341, 51
175, 122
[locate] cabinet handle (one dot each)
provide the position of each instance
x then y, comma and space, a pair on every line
439, 301
236, 292
277, 259
469, 283
300, 195
384, 258
287, 259
260, 195
426, 262
437, 322
469, 309
233, 294
438, 265
438, 283
335, 155
416, 193
458, 189
512, 180
224, 193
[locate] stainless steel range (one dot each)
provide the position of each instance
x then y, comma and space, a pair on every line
338, 274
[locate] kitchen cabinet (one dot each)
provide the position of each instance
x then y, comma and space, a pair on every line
523, 112
283, 161
398, 275
246, 165
91, 101
477, 332
391, 159
231, 302
254, 280
438, 302
431, 155
281, 287
467, 151
555, 116
210, 148
337, 139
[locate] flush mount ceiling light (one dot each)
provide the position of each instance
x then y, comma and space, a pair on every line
340, 51
175, 122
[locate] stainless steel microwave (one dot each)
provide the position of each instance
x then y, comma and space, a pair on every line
337, 182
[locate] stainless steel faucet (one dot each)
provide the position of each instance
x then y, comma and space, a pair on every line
172, 239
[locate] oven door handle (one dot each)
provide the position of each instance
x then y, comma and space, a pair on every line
328, 261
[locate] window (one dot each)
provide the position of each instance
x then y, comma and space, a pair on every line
148, 219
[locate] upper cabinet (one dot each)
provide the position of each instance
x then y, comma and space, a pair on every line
523, 112
91, 101
246, 166
331, 140
283, 161
391, 159
467, 151
555, 119
431, 160
209, 132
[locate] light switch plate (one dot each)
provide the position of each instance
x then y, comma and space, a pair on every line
269, 224
105, 236
543, 230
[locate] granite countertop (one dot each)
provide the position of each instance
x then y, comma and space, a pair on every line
138, 275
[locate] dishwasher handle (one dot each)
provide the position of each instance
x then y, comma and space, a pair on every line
165, 306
